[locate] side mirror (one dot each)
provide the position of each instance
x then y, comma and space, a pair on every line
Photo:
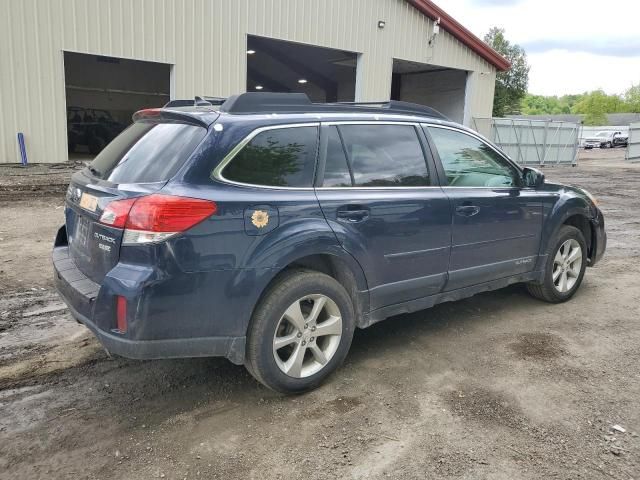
532, 177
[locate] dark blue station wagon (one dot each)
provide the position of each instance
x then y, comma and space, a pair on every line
266, 228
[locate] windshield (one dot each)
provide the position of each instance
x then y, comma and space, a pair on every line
147, 152
602, 134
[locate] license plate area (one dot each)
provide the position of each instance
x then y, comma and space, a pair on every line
82, 232
89, 202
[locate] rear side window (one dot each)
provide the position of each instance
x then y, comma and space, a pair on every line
385, 155
336, 170
147, 152
282, 157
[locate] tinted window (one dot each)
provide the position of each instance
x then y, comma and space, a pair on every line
469, 162
283, 157
336, 170
147, 152
385, 155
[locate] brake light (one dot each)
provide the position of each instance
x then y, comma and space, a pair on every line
156, 217
117, 212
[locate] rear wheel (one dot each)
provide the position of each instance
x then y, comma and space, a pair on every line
300, 332
565, 267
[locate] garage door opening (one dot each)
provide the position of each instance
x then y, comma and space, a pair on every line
103, 93
324, 74
438, 87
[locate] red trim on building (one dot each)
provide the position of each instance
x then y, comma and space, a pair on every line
451, 25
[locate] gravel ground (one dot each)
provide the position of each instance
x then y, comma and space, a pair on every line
498, 386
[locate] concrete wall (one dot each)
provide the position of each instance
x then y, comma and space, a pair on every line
443, 90
205, 41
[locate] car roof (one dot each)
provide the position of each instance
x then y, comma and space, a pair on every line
280, 108
209, 115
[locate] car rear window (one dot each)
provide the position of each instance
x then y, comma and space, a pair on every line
147, 152
282, 157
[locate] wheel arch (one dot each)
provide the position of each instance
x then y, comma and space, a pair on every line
582, 223
334, 262
574, 212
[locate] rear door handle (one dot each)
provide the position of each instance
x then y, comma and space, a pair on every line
353, 214
467, 210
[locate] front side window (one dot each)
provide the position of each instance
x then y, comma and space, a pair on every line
282, 157
385, 155
469, 162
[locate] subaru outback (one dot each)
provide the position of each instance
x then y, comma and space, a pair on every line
265, 229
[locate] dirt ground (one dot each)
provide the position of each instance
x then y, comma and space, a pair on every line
499, 386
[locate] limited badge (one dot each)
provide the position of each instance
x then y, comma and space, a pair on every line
260, 218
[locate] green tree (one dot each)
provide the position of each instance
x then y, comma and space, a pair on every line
539, 105
511, 86
595, 106
632, 99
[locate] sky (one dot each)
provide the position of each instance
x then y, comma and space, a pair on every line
572, 46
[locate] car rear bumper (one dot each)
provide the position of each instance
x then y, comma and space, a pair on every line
92, 305
598, 240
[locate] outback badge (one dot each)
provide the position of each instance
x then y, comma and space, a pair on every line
260, 218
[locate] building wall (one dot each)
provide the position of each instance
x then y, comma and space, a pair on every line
205, 41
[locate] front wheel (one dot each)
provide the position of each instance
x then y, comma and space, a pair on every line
565, 267
300, 332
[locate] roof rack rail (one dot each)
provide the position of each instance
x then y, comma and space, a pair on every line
197, 102
267, 102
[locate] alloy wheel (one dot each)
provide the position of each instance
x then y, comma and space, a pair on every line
567, 265
307, 336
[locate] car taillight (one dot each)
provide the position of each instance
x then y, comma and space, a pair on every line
117, 212
156, 217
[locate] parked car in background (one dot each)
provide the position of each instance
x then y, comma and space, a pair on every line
92, 128
607, 139
267, 229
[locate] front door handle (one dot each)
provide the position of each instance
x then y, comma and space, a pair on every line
467, 210
353, 214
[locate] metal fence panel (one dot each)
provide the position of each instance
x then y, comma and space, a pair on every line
532, 142
633, 147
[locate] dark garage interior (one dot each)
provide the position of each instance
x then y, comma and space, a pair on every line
102, 93
438, 87
324, 74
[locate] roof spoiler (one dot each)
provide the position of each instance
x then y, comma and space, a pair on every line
155, 115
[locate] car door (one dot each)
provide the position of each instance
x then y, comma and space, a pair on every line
496, 223
379, 193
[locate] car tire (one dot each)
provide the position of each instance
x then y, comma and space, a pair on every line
559, 267
296, 367
608, 145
